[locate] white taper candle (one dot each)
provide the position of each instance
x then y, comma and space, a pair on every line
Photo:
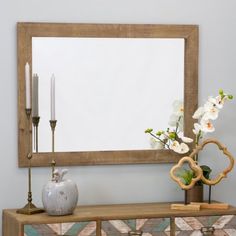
35, 96
53, 115
27, 86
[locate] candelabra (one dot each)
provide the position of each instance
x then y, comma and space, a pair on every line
29, 208
53, 162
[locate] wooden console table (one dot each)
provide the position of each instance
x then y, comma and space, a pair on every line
148, 219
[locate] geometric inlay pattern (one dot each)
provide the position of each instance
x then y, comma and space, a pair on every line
149, 227
67, 229
191, 226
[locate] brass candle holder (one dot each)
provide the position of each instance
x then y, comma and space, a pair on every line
53, 124
35, 121
29, 208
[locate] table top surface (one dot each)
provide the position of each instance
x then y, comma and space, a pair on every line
116, 211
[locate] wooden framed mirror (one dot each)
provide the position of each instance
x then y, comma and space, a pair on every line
108, 43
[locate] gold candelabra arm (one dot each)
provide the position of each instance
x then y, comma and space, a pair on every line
28, 113
53, 124
29, 208
29, 157
53, 164
35, 121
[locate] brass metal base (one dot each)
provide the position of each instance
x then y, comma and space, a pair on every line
30, 209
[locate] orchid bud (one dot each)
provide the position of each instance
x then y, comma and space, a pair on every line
159, 133
149, 130
172, 135
221, 92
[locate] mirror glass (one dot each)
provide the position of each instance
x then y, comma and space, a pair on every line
108, 90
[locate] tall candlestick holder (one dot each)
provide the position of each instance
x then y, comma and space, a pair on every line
35, 121
53, 124
29, 208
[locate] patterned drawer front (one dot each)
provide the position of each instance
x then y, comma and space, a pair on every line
66, 229
149, 227
206, 225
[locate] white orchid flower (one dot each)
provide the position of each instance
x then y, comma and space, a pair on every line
178, 108
184, 139
218, 101
180, 148
198, 113
197, 128
156, 144
207, 126
211, 111
174, 146
183, 148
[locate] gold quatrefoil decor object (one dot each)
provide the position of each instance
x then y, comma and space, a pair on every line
227, 154
193, 165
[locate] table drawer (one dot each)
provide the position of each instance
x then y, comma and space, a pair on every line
206, 225
65, 229
148, 227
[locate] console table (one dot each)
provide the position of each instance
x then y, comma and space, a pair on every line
147, 219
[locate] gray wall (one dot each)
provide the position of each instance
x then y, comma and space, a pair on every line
119, 184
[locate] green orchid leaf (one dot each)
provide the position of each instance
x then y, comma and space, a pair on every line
206, 171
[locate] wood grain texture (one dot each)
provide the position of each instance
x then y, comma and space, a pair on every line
99, 228
26, 31
104, 157
13, 223
204, 205
11, 226
187, 207
172, 226
113, 212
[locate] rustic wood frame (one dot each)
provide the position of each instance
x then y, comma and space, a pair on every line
25, 32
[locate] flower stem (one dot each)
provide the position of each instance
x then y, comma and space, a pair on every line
177, 124
198, 136
165, 144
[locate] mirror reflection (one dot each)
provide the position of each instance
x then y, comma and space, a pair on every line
108, 90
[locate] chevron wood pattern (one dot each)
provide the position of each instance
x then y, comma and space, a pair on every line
191, 226
149, 227
65, 229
